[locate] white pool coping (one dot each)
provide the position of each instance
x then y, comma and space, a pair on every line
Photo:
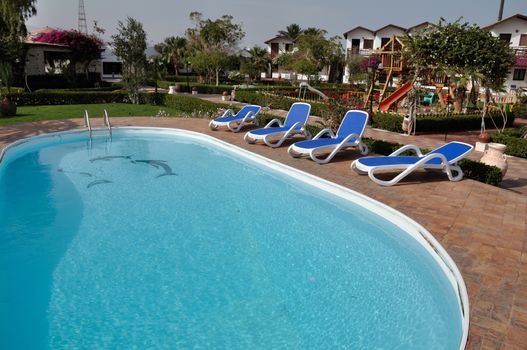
414, 229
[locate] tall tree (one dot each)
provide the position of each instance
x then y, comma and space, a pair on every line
13, 14
257, 62
313, 53
129, 44
216, 39
292, 32
173, 51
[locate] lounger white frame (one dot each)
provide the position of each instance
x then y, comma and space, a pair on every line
250, 117
446, 166
297, 151
251, 138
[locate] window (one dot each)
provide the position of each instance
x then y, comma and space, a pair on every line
523, 40
288, 47
519, 74
368, 44
384, 41
506, 37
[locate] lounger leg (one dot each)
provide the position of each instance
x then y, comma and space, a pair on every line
213, 126
454, 168
363, 149
292, 153
248, 139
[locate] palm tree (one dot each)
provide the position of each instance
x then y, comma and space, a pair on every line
259, 59
314, 31
292, 32
172, 50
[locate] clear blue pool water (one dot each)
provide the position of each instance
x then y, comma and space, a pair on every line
218, 253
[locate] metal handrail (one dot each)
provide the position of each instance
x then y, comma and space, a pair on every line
106, 119
87, 121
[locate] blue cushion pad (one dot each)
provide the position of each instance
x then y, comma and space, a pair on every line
320, 142
398, 160
267, 131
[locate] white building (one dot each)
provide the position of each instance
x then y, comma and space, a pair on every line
363, 41
280, 45
513, 30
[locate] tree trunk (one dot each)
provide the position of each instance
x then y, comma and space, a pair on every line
217, 77
176, 70
441, 97
485, 108
458, 93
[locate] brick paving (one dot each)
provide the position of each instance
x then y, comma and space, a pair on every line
484, 228
515, 179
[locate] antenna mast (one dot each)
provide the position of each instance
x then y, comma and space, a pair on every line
83, 27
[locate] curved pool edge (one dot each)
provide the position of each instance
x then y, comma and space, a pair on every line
413, 228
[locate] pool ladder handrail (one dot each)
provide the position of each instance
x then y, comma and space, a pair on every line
87, 121
107, 123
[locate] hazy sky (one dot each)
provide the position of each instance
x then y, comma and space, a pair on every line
261, 19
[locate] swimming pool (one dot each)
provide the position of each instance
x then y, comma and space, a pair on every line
170, 239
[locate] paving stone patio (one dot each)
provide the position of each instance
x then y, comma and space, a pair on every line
484, 228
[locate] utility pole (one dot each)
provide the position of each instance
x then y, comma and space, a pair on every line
83, 27
500, 15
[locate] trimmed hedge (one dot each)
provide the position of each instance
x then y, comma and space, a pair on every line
516, 146
274, 102
68, 98
438, 122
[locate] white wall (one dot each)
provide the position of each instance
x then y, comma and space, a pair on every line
387, 32
360, 34
514, 26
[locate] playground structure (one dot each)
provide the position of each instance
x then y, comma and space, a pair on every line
392, 65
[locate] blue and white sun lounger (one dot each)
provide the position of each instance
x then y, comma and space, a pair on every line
235, 122
444, 158
349, 135
295, 123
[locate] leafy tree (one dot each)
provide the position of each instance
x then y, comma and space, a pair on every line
84, 48
312, 53
212, 43
462, 52
291, 32
129, 44
173, 51
257, 62
13, 14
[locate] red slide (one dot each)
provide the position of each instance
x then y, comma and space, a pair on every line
385, 105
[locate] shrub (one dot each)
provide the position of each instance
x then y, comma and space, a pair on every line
516, 146
478, 171
67, 98
188, 104
438, 122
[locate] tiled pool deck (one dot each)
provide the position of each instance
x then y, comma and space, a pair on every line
484, 228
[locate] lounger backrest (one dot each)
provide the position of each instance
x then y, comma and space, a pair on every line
454, 151
354, 122
299, 112
249, 108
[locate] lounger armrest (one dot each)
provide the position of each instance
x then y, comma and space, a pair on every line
297, 124
323, 132
274, 121
227, 113
408, 148
351, 136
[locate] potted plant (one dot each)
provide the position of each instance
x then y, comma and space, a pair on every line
225, 96
194, 90
7, 107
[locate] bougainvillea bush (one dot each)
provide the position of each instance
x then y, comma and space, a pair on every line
84, 48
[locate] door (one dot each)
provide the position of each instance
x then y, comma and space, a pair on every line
355, 45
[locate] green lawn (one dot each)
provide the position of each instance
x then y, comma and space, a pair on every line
38, 113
